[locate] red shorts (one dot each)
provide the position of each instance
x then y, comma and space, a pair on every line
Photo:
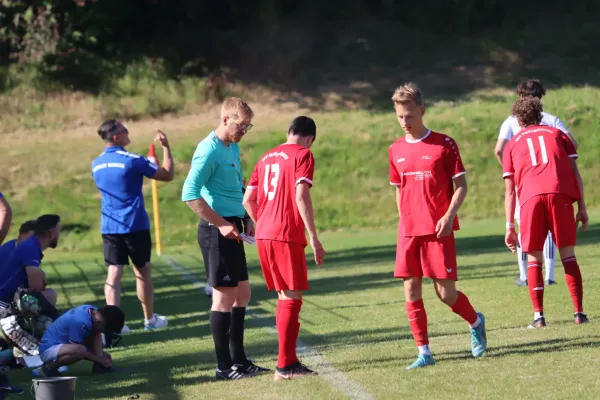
426, 256
547, 212
283, 265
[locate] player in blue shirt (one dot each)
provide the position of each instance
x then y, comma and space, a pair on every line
25, 231
22, 269
5, 217
125, 226
77, 335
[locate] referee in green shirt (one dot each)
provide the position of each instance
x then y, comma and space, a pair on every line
214, 190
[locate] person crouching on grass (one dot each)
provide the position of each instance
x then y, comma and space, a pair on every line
77, 335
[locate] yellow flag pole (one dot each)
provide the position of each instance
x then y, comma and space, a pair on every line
155, 204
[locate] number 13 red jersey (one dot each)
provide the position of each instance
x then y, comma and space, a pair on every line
275, 177
538, 158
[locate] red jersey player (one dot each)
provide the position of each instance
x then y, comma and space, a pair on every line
425, 167
278, 199
540, 161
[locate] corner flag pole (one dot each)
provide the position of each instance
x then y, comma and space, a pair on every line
152, 158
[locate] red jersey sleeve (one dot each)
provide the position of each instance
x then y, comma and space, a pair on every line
305, 167
394, 176
253, 184
452, 161
508, 168
568, 145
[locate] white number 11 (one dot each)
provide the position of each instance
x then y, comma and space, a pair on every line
534, 161
274, 169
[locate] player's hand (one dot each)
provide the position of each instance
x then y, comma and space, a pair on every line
582, 216
104, 361
318, 250
512, 240
249, 228
443, 227
161, 137
229, 231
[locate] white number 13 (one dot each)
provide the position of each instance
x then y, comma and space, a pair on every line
532, 154
272, 172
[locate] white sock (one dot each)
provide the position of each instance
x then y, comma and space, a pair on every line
522, 260
151, 320
424, 350
476, 323
549, 257
537, 315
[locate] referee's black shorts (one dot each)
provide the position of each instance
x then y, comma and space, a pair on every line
118, 249
224, 259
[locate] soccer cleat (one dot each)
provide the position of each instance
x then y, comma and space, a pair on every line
550, 282
520, 282
422, 361
100, 369
538, 323
479, 338
581, 318
6, 388
126, 330
294, 371
234, 373
250, 367
160, 321
49, 370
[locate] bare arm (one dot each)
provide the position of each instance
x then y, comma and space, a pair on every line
203, 210
499, 149
509, 200
582, 215
305, 208
398, 200
5, 218
460, 193
250, 203
36, 278
166, 173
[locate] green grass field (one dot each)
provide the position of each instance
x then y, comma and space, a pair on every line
354, 321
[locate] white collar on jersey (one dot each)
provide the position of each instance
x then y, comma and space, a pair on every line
419, 140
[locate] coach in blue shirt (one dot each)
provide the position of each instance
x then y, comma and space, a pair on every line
22, 268
5, 217
213, 189
26, 230
125, 226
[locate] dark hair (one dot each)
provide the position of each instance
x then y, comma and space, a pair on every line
528, 110
108, 129
45, 223
531, 88
303, 126
114, 319
26, 227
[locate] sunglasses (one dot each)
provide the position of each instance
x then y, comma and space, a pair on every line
245, 128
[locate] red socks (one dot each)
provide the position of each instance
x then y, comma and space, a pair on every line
417, 319
288, 326
464, 308
535, 281
574, 282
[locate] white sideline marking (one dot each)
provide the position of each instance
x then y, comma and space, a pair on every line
328, 372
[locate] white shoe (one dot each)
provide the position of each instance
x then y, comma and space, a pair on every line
160, 321
126, 330
208, 290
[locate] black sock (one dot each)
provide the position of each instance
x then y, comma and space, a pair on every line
219, 325
236, 337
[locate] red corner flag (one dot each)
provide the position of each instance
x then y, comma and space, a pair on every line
152, 155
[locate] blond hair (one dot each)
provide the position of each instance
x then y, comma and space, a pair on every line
236, 109
406, 93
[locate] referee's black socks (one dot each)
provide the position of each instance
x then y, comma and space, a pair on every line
236, 336
220, 323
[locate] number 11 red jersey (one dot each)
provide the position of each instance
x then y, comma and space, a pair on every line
275, 177
538, 158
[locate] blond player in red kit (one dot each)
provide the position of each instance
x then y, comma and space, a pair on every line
426, 167
540, 162
278, 199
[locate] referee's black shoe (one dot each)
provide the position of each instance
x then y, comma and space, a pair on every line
234, 373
